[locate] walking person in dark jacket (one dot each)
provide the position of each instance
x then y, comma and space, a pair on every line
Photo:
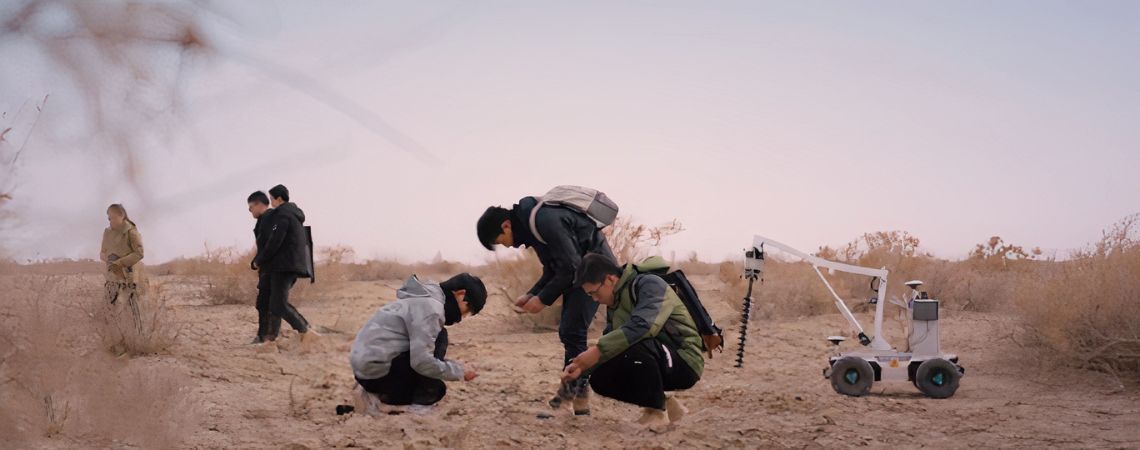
569, 236
285, 257
268, 324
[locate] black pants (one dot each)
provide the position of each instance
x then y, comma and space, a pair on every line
279, 285
578, 312
268, 324
404, 386
642, 374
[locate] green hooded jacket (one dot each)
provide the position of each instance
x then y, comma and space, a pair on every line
657, 314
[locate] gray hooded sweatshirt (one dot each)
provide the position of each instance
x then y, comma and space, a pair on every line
409, 324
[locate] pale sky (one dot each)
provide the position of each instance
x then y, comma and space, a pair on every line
807, 122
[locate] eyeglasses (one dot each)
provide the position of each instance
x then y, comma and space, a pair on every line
594, 293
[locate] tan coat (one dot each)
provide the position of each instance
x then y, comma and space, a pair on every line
127, 245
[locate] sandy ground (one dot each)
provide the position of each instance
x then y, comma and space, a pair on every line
286, 399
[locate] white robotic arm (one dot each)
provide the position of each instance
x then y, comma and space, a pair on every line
755, 261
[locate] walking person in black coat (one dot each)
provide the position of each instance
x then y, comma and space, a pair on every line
285, 257
268, 324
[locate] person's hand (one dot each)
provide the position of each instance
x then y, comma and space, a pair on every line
588, 358
571, 372
469, 372
583, 361
522, 299
533, 306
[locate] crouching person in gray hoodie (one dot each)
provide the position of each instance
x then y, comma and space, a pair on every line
399, 355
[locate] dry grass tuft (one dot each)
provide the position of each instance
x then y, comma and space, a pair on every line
58, 383
224, 272
1086, 311
152, 330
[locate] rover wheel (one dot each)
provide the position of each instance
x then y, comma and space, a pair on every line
937, 378
852, 376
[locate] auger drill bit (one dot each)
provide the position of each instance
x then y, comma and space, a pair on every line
744, 320
753, 268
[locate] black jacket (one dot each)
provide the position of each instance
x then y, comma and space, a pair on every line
569, 236
261, 230
286, 246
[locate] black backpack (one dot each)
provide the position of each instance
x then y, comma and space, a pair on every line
711, 335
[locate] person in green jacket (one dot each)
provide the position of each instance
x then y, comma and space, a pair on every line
651, 345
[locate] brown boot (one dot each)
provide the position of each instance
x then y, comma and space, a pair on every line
652, 417
582, 404
675, 409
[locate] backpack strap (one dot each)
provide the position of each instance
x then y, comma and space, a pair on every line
533, 217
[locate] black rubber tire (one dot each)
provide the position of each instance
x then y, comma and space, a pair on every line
852, 376
937, 378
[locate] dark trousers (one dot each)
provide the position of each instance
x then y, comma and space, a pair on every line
642, 374
404, 386
578, 312
279, 285
268, 324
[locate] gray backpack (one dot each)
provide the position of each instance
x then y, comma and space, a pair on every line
591, 202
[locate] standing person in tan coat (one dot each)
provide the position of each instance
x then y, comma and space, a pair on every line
122, 249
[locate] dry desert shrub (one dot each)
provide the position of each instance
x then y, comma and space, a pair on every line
693, 266
512, 275
58, 387
145, 329
224, 272
1086, 311
632, 241
787, 290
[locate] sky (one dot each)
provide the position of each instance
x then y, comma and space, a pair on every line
395, 125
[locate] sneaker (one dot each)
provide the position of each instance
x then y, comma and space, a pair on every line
266, 347
256, 340
675, 409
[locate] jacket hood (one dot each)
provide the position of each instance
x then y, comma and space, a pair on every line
291, 209
413, 288
653, 264
520, 222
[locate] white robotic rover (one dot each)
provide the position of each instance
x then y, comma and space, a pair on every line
933, 372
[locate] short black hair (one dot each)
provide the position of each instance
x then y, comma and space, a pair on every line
280, 191
595, 267
257, 197
476, 292
490, 225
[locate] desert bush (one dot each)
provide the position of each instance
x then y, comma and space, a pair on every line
223, 272
787, 290
58, 386
632, 241
512, 275
149, 330
375, 270
1086, 311
693, 266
